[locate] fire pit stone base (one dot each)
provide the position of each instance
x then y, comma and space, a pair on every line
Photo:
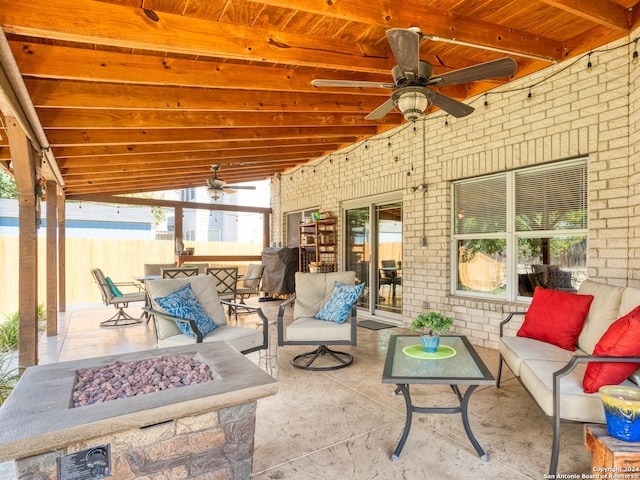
203, 431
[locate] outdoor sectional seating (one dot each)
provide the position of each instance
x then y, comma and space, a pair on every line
555, 376
169, 334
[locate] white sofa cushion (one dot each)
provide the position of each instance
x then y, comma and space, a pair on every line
516, 350
575, 405
630, 300
604, 310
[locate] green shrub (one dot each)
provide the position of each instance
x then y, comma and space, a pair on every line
8, 376
9, 332
9, 329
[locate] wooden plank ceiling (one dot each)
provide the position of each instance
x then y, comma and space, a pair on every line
145, 95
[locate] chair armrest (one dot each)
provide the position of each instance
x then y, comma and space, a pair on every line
165, 315
280, 320
263, 318
124, 284
507, 320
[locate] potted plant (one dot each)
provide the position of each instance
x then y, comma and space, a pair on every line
431, 324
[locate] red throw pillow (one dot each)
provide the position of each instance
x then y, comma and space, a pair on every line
556, 317
622, 339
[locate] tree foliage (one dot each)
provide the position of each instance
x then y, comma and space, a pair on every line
8, 187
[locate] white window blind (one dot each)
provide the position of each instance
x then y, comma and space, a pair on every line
481, 206
553, 198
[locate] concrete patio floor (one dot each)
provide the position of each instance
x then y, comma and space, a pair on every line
344, 424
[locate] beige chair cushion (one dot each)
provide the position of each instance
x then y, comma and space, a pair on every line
603, 312
203, 287
240, 338
156, 268
313, 290
310, 330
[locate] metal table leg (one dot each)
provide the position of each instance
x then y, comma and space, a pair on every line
462, 409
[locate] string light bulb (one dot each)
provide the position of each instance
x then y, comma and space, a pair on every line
589, 64
634, 55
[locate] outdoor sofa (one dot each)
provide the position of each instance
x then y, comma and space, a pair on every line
571, 357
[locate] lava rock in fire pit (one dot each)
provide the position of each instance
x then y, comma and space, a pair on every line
121, 380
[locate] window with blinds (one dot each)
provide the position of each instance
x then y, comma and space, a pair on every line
522, 229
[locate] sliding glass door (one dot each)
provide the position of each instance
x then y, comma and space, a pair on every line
374, 251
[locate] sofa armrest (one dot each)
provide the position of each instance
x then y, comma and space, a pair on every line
507, 320
557, 376
166, 316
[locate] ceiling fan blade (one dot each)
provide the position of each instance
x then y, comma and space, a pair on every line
349, 83
503, 67
241, 187
450, 105
405, 44
227, 190
381, 111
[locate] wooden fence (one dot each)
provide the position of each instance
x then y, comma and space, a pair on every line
120, 259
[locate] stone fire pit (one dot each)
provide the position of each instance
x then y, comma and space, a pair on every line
198, 424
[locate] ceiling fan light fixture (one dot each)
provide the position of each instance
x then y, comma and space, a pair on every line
412, 103
214, 193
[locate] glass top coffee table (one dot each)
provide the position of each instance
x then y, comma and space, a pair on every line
455, 363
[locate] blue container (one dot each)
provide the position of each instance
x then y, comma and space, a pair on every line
430, 343
622, 411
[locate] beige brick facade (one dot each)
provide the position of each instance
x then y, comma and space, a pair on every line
571, 112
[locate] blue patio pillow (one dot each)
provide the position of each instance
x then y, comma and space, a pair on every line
114, 289
339, 305
184, 304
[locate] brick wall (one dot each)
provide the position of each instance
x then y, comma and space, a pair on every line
570, 113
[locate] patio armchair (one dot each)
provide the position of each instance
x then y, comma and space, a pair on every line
112, 295
177, 315
314, 298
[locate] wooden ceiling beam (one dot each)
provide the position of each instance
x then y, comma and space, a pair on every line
56, 62
73, 94
126, 27
168, 160
179, 148
432, 21
602, 12
107, 136
150, 119
193, 179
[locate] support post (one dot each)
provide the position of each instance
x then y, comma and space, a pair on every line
25, 176
52, 259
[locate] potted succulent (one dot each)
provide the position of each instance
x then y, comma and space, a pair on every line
431, 324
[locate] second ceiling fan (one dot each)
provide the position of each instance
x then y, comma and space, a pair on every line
412, 78
216, 186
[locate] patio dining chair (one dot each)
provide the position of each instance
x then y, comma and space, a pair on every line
179, 272
226, 279
249, 283
112, 295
